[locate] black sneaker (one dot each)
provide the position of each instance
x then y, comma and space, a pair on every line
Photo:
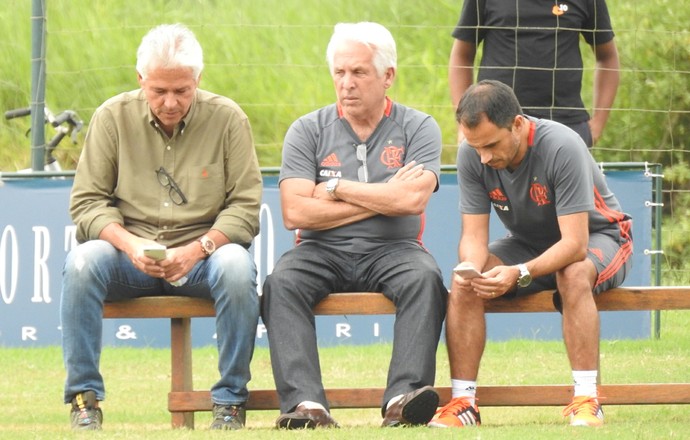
230, 417
85, 414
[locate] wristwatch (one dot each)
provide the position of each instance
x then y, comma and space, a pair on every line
208, 246
525, 277
331, 185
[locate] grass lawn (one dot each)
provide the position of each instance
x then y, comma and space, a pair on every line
138, 381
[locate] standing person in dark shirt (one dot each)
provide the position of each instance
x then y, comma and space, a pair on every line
534, 47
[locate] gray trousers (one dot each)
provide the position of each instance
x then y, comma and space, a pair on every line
404, 272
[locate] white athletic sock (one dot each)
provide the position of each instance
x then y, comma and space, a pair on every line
585, 383
308, 404
464, 388
394, 399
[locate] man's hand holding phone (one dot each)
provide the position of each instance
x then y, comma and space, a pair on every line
466, 271
157, 252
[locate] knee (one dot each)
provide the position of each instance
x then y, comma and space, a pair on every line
90, 255
422, 287
234, 262
576, 281
463, 299
233, 270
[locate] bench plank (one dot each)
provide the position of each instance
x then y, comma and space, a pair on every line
365, 303
494, 395
183, 401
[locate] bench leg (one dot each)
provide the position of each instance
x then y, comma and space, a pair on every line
181, 367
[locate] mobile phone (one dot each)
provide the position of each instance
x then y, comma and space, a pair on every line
466, 271
155, 252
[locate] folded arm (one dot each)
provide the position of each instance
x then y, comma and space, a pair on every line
306, 205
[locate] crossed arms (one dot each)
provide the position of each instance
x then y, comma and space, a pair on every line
307, 205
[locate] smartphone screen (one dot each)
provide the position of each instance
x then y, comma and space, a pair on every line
466, 271
157, 253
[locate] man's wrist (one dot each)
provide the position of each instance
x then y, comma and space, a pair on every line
331, 187
208, 246
524, 276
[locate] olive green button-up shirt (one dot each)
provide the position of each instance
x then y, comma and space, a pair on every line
210, 156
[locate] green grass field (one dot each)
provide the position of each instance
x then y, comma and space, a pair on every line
137, 381
269, 56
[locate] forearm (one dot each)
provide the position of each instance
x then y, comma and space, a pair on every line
606, 80
475, 251
474, 242
605, 89
396, 198
562, 254
317, 214
460, 70
239, 221
121, 238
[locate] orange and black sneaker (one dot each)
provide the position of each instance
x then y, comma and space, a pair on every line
584, 411
458, 413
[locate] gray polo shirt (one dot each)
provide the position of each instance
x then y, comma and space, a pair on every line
322, 145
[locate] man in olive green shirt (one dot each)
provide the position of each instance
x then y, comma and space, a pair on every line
166, 165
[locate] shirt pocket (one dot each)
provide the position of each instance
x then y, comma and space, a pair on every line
207, 188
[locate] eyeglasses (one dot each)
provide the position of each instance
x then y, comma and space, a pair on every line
362, 171
175, 193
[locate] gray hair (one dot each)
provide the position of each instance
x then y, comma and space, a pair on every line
169, 46
374, 35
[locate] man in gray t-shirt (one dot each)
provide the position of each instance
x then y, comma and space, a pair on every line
354, 183
566, 232
322, 145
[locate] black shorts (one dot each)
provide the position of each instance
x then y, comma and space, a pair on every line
611, 255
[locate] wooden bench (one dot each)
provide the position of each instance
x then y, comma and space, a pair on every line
183, 400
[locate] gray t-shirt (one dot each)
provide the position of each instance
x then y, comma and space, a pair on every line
557, 176
322, 145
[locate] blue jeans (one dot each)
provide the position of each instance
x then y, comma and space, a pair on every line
96, 272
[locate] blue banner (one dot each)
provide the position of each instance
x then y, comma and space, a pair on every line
36, 233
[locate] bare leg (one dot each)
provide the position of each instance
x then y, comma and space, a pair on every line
580, 315
465, 333
466, 329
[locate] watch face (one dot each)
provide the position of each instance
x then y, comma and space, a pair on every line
208, 244
525, 277
524, 280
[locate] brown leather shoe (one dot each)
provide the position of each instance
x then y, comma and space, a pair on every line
415, 408
302, 417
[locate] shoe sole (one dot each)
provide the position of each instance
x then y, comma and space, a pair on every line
421, 409
296, 423
433, 424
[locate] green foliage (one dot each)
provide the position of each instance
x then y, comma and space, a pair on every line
269, 55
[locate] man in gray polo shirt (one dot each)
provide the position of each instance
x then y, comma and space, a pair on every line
567, 232
355, 181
